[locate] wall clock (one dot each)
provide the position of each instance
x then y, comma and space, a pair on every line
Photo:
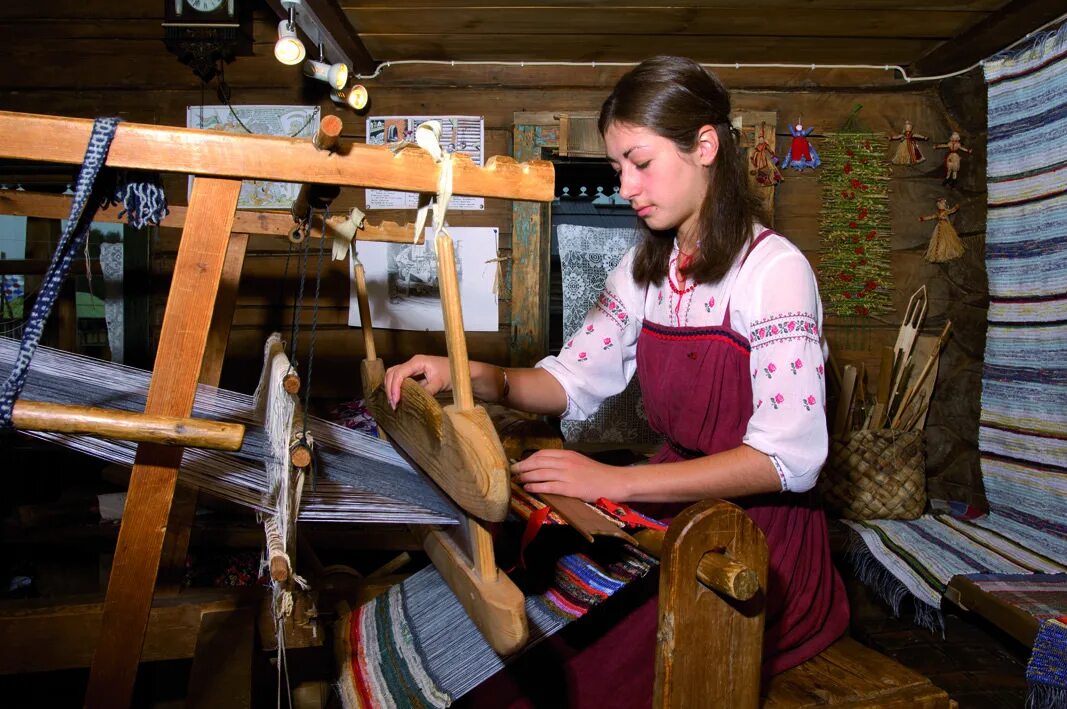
204, 32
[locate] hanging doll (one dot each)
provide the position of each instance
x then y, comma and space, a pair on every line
801, 152
908, 152
764, 162
945, 243
953, 159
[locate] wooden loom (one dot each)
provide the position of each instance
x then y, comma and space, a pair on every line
219, 162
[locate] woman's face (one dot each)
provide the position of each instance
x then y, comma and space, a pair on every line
664, 185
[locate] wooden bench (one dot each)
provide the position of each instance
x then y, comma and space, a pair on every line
711, 643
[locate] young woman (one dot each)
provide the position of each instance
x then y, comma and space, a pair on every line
722, 322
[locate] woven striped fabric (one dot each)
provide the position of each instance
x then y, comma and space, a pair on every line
1043, 596
916, 559
1023, 425
414, 646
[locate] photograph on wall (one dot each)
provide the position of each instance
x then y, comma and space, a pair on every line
459, 134
291, 121
403, 289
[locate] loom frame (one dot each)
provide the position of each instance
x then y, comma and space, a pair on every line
218, 162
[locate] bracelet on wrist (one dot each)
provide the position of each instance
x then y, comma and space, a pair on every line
505, 388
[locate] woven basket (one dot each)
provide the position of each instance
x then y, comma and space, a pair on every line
875, 474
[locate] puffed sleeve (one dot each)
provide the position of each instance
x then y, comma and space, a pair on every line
784, 320
598, 360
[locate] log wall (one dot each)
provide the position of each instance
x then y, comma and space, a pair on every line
88, 59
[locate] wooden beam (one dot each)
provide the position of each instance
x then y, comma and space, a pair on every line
341, 40
182, 341
41, 637
183, 506
56, 206
987, 37
28, 136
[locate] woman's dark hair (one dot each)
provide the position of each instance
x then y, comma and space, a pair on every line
674, 97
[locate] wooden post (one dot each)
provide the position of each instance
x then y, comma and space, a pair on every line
183, 338
183, 507
709, 650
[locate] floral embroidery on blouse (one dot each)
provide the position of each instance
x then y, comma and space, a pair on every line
769, 370
808, 401
608, 344
798, 364
710, 304
777, 400
791, 326
608, 303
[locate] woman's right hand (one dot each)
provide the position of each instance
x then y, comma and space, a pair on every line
432, 374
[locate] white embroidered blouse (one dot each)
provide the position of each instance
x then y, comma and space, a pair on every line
774, 303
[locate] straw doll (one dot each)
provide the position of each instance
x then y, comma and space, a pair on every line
953, 159
945, 243
764, 163
908, 152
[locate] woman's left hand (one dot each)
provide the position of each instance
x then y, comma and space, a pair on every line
563, 472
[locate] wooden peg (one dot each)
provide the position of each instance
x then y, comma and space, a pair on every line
300, 453
291, 383
329, 133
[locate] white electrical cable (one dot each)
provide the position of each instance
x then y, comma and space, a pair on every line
736, 65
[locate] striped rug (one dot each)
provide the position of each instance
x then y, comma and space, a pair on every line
415, 646
1023, 426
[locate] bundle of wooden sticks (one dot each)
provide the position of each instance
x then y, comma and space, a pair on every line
906, 376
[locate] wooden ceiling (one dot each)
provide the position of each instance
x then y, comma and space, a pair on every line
928, 38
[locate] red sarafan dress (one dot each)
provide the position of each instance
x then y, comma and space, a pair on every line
698, 386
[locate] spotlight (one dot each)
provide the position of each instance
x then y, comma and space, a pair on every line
288, 49
354, 97
336, 75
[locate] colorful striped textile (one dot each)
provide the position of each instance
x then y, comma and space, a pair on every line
916, 559
1046, 673
414, 646
1023, 429
1023, 426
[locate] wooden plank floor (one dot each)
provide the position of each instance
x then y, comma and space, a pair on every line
978, 665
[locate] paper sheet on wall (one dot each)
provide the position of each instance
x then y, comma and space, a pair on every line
402, 287
292, 121
459, 134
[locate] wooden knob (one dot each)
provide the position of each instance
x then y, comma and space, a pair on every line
300, 454
291, 383
734, 579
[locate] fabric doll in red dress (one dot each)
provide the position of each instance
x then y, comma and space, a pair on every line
801, 152
908, 152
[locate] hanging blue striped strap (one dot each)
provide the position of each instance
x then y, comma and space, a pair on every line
74, 233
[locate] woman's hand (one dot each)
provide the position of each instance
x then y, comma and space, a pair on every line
432, 373
563, 472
